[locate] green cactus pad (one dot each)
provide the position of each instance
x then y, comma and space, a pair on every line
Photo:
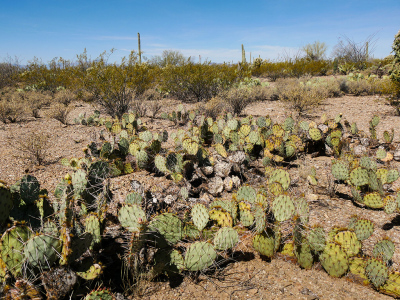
392, 176
359, 176
226, 238
264, 243
384, 249
316, 239
363, 229
131, 217
283, 208
246, 193
11, 248
281, 176
93, 226
340, 170
334, 260
246, 217
199, 256
134, 198
302, 209
373, 200
29, 189
304, 255
376, 271
390, 204
315, 134
349, 242
169, 226
368, 163
200, 216
42, 251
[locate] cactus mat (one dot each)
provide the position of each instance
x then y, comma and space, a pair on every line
250, 277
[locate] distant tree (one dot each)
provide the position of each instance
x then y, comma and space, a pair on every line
349, 51
168, 58
315, 51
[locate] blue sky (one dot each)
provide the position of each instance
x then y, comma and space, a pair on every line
212, 29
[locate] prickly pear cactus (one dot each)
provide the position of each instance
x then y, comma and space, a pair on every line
169, 226
6, 203
384, 249
41, 251
376, 271
264, 243
226, 238
283, 208
334, 260
11, 248
200, 216
131, 217
199, 256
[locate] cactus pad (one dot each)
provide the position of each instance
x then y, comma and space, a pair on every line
199, 256
226, 238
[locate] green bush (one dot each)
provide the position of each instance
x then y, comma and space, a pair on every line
195, 82
115, 86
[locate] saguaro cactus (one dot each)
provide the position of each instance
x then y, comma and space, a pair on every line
139, 49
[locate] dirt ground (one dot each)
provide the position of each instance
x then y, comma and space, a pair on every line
251, 277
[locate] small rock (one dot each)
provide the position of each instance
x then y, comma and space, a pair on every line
239, 157
236, 181
228, 184
208, 170
222, 169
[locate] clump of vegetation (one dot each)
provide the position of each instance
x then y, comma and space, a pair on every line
196, 82
60, 112
298, 95
33, 147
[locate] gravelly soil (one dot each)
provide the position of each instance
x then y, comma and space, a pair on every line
254, 278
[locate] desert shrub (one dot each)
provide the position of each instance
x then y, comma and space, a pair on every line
328, 87
212, 108
315, 51
298, 95
12, 106
168, 58
195, 82
354, 53
48, 77
153, 97
60, 112
33, 146
290, 67
114, 87
35, 100
9, 72
237, 99
65, 96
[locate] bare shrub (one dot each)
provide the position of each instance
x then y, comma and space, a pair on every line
237, 99
139, 107
33, 147
153, 98
11, 110
65, 97
299, 96
212, 108
60, 112
35, 100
